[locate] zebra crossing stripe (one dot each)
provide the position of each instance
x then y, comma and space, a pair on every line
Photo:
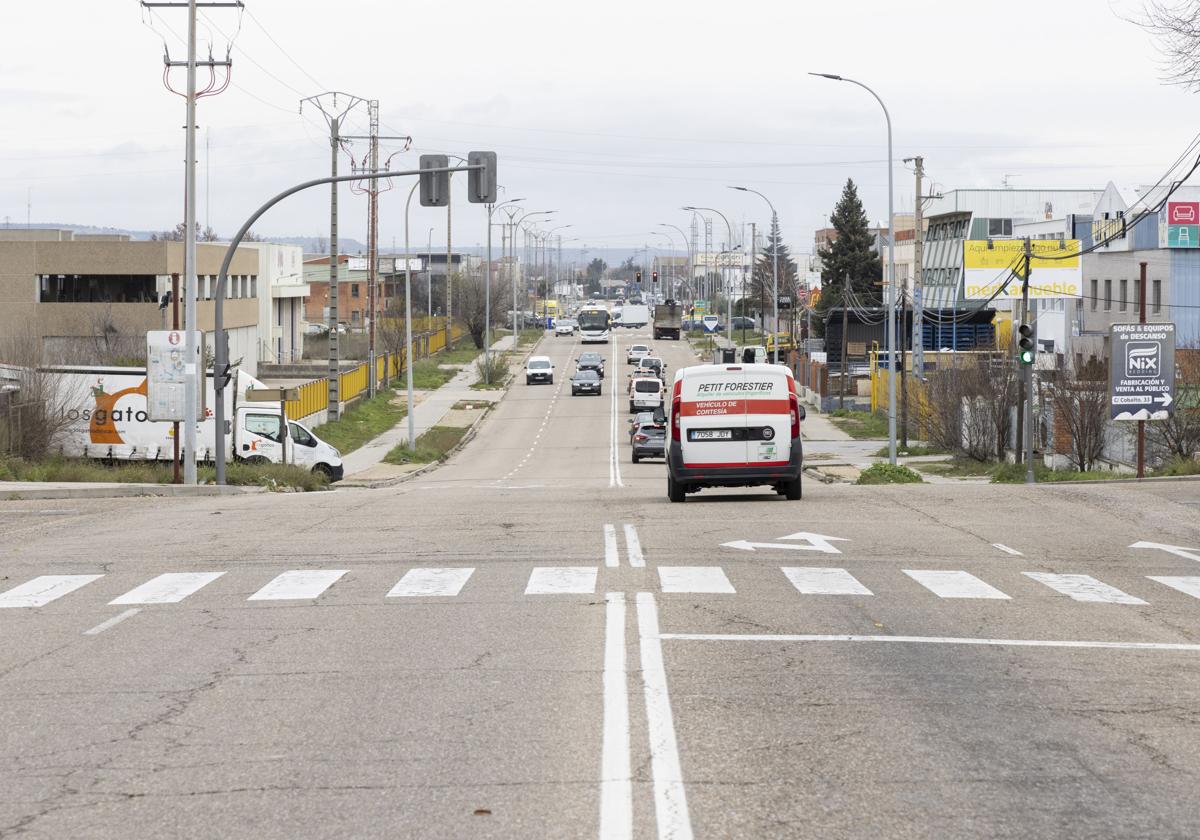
42, 590
298, 585
1084, 588
168, 589
698, 580
562, 580
821, 581
946, 584
425, 583
1186, 585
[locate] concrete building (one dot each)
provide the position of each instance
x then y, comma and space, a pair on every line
352, 291
281, 294
91, 299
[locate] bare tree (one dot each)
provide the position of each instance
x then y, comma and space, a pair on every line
33, 401
1079, 400
1179, 435
208, 235
1175, 26
470, 304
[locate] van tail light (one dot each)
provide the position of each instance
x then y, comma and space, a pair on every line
676, 407
794, 410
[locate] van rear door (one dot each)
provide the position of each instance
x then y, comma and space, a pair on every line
735, 416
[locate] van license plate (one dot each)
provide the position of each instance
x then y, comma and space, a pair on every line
710, 434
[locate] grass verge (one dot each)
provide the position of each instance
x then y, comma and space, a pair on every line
861, 425
912, 451
888, 474
274, 476
431, 446
363, 421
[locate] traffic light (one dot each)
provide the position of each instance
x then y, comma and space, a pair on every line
435, 186
1025, 348
654, 277
638, 277
481, 183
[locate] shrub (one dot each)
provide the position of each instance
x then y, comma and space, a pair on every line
889, 474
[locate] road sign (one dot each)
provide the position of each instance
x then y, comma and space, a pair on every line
1142, 371
167, 370
272, 394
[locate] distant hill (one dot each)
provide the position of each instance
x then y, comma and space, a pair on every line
346, 245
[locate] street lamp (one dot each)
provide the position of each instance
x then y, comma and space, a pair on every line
487, 294
513, 224
774, 264
429, 280
891, 296
688, 247
728, 244
544, 238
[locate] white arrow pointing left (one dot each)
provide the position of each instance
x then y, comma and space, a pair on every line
1178, 550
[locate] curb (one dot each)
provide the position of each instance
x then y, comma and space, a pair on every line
128, 491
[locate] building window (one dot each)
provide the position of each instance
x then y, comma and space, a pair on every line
1124, 294
1137, 290
253, 285
999, 227
1095, 293
98, 288
1157, 296
353, 290
1107, 295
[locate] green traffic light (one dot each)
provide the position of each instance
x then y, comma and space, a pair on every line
1026, 357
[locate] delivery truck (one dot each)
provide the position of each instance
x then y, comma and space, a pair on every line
105, 415
635, 315
668, 319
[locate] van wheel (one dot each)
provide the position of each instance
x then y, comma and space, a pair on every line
632, 407
675, 490
256, 459
635, 458
324, 468
791, 490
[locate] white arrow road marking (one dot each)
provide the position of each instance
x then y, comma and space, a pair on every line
817, 542
1178, 550
746, 545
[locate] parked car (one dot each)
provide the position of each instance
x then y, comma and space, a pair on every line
586, 382
739, 322
539, 369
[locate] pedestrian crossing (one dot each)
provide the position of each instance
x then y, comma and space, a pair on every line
308, 585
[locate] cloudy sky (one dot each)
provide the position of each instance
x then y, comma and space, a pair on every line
616, 114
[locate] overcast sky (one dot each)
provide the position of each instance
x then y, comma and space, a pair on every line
615, 114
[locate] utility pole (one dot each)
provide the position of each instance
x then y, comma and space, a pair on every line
195, 377
918, 331
333, 115
1141, 432
1027, 377
373, 137
845, 338
753, 265
903, 377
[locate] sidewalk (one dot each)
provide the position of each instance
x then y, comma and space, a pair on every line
365, 464
12, 491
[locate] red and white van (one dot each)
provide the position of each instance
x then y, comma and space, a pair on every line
734, 426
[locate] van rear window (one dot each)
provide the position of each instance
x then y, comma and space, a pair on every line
646, 386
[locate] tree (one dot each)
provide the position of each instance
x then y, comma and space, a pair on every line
1176, 27
762, 280
208, 235
470, 302
175, 235
1178, 437
1080, 402
852, 254
595, 272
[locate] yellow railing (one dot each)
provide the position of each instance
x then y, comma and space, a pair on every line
314, 397
352, 383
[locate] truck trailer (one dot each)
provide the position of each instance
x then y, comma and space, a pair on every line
668, 320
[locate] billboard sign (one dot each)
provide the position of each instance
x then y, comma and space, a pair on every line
1181, 227
1142, 371
988, 264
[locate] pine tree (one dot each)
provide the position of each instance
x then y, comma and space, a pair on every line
762, 281
851, 254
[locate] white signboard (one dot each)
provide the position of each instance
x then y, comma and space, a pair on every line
988, 265
167, 369
356, 264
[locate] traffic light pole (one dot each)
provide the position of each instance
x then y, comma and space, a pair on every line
1028, 372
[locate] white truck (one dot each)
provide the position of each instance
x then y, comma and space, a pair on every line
635, 315
106, 417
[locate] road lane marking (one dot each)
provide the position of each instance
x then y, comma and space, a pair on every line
298, 585
1007, 550
562, 580
112, 622
1178, 550
1186, 585
1084, 588
616, 777
696, 580
633, 546
930, 640
946, 584
611, 559
614, 460
670, 798
167, 589
427, 583
42, 590
816, 581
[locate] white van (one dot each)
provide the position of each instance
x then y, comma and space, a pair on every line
734, 426
645, 393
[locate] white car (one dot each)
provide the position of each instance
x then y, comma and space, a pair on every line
636, 351
645, 393
539, 369
564, 326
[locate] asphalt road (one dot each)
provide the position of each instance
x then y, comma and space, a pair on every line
532, 642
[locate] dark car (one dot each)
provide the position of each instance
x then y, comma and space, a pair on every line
637, 420
592, 361
586, 382
741, 322
649, 441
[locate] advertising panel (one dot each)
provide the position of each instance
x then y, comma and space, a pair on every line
989, 264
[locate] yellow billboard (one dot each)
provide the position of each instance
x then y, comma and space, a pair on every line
989, 264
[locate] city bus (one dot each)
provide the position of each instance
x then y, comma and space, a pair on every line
594, 324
